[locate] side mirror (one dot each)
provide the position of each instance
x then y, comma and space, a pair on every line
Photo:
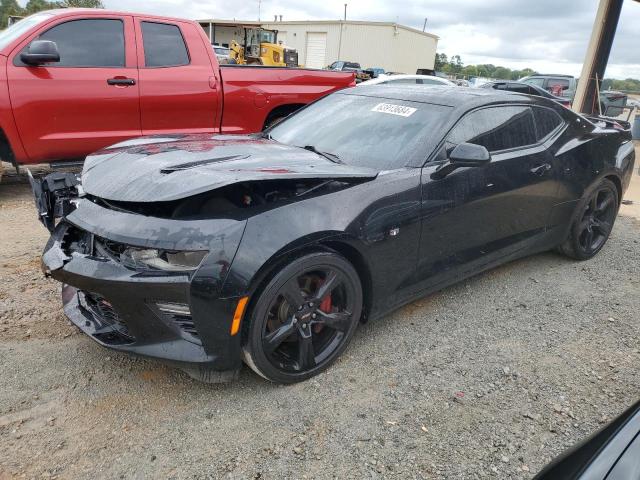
469, 155
463, 155
41, 51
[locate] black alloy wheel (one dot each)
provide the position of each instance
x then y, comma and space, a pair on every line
593, 225
304, 318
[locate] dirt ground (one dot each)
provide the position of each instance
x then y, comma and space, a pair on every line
488, 379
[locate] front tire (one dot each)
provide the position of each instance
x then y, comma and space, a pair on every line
304, 318
593, 223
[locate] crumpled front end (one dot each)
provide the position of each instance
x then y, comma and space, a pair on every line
117, 291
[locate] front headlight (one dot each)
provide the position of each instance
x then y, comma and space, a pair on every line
154, 259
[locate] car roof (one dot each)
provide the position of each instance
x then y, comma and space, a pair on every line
392, 78
561, 75
465, 98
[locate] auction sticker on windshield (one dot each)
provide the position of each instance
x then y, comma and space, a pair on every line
394, 109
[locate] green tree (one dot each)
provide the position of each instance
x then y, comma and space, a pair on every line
34, 6
456, 64
502, 73
9, 8
440, 62
80, 4
470, 71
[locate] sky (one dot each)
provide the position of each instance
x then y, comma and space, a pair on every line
550, 36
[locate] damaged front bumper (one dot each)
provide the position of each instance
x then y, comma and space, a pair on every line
181, 318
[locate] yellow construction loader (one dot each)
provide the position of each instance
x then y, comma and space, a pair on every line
261, 48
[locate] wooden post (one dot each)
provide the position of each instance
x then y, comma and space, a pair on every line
595, 62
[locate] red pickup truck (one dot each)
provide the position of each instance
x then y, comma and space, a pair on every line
75, 80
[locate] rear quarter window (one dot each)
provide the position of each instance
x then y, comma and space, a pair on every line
547, 121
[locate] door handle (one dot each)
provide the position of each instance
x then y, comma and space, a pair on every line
121, 81
541, 169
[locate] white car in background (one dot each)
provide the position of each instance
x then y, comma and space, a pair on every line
408, 79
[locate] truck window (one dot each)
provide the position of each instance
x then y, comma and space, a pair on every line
163, 45
537, 81
88, 43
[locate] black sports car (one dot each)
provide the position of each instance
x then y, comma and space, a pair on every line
204, 250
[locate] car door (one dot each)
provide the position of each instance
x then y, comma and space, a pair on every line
179, 90
477, 215
87, 100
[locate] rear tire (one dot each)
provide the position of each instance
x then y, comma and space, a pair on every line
304, 318
595, 215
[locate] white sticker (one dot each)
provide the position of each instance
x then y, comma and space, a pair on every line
394, 109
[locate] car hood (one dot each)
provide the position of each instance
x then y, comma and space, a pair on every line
166, 168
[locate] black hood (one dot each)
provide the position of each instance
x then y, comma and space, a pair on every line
164, 168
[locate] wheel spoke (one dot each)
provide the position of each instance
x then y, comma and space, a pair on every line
293, 295
306, 353
332, 280
274, 339
593, 203
340, 321
603, 226
605, 204
589, 239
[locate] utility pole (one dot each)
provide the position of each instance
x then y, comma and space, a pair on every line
345, 12
604, 30
424, 27
259, 5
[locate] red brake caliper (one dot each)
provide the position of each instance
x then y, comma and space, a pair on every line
325, 306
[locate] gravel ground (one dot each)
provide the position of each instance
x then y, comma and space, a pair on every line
488, 379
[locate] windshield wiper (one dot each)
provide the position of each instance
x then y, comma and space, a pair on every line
332, 157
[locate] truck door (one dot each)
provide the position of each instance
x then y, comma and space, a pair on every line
87, 100
179, 88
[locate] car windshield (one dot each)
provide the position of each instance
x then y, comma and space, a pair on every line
372, 132
16, 30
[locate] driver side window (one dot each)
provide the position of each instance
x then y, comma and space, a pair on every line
88, 43
495, 128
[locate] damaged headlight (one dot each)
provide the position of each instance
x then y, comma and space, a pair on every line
154, 259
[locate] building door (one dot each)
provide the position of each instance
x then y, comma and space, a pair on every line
316, 50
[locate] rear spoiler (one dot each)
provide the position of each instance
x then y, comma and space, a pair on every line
607, 122
54, 196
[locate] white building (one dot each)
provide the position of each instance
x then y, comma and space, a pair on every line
391, 46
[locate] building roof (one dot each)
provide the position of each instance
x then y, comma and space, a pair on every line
314, 22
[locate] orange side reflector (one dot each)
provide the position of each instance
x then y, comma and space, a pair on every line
237, 316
